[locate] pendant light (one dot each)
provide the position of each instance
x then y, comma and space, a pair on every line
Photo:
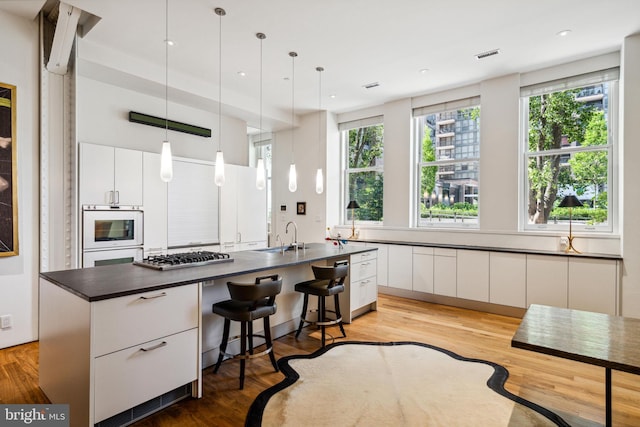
166, 161
260, 172
219, 174
319, 177
293, 178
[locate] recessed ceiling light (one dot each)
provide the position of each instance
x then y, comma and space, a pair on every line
332, 96
563, 33
242, 73
169, 42
424, 71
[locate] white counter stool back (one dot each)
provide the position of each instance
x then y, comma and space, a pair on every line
328, 281
249, 302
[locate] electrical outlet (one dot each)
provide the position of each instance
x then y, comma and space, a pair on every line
5, 321
564, 243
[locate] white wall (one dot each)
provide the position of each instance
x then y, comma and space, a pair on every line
103, 118
19, 274
630, 135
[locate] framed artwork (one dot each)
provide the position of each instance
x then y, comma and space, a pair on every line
8, 172
302, 208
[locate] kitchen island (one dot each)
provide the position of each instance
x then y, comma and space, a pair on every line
119, 342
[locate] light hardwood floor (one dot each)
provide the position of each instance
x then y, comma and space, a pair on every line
572, 389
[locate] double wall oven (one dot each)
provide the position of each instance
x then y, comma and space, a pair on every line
111, 235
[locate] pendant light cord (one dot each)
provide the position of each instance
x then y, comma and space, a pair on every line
293, 83
166, 72
320, 70
220, 12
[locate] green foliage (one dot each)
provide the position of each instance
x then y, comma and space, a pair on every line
552, 117
428, 178
365, 148
583, 214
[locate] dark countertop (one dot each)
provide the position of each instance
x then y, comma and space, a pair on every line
111, 281
491, 249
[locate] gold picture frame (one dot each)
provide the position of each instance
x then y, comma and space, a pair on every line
8, 172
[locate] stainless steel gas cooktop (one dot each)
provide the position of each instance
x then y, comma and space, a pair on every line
183, 260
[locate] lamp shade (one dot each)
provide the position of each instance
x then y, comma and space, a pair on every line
570, 201
353, 205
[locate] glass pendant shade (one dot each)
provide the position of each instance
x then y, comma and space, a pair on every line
166, 165
260, 175
319, 181
293, 178
219, 177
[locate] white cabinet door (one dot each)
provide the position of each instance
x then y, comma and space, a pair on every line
128, 177
251, 207
423, 269
444, 272
110, 175
547, 280
229, 209
473, 275
400, 267
382, 263
243, 209
593, 285
154, 200
508, 279
192, 205
96, 174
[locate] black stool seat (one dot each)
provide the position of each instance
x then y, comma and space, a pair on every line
249, 302
329, 281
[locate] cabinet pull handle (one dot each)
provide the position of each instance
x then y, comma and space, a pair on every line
163, 294
111, 197
162, 344
117, 197
364, 264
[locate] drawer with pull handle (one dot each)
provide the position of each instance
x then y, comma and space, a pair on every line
125, 321
364, 269
134, 375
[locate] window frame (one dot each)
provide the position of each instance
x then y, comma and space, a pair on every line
610, 76
344, 129
418, 133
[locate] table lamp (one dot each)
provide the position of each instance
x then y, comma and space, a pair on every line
570, 202
353, 205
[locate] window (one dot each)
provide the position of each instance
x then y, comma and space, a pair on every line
448, 147
568, 133
364, 149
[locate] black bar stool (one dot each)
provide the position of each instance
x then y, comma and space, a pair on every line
329, 281
249, 302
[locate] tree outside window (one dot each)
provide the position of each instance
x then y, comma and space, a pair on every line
365, 171
567, 153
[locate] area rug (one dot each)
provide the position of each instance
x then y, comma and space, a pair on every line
393, 384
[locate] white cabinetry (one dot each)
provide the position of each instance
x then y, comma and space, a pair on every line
362, 279
153, 343
382, 262
105, 357
444, 272
154, 200
110, 176
423, 269
508, 279
243, 211
192, 205
547, 280
400, 267
590, 285
473, 275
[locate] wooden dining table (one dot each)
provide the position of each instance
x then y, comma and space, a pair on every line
612, 342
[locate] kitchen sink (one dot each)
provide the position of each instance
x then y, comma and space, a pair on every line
277, 249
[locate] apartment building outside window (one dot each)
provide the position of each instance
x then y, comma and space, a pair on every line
363, 143
448, 147
569, 136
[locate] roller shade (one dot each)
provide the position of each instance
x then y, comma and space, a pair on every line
362, 123
447, 106
581, 80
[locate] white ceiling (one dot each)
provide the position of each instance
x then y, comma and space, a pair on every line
356, 41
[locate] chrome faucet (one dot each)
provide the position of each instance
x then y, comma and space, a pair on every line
295, 235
